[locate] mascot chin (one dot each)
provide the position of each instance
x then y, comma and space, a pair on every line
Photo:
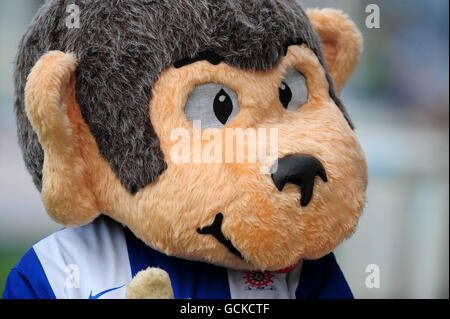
191, 148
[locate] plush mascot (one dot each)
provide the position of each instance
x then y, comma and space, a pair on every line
114, 115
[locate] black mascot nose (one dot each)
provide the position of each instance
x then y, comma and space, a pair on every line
300, 170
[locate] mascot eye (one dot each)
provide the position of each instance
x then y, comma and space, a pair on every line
213, 105
293, 90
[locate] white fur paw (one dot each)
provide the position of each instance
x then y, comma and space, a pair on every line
153, 283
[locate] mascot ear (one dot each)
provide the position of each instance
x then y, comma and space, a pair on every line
341, 43
50, 106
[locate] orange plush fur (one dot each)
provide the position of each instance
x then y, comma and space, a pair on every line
66, 193
341, 42
270, 228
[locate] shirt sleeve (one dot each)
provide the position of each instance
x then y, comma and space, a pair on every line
27, 280
323, 279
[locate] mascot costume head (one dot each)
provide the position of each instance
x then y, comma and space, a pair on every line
101, 107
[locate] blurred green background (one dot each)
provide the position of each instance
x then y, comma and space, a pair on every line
398, 99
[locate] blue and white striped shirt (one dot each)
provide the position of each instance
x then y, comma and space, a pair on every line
98, 260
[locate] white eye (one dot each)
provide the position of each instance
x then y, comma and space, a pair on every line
213, 105
293, 90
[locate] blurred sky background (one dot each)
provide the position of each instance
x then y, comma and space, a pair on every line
399, 100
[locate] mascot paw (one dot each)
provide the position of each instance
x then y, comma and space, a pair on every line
153, 283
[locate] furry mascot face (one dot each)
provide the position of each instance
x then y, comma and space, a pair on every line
97, 108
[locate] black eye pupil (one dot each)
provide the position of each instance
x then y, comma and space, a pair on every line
285, 95
223, 106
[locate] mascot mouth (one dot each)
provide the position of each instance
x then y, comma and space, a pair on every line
216, 230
